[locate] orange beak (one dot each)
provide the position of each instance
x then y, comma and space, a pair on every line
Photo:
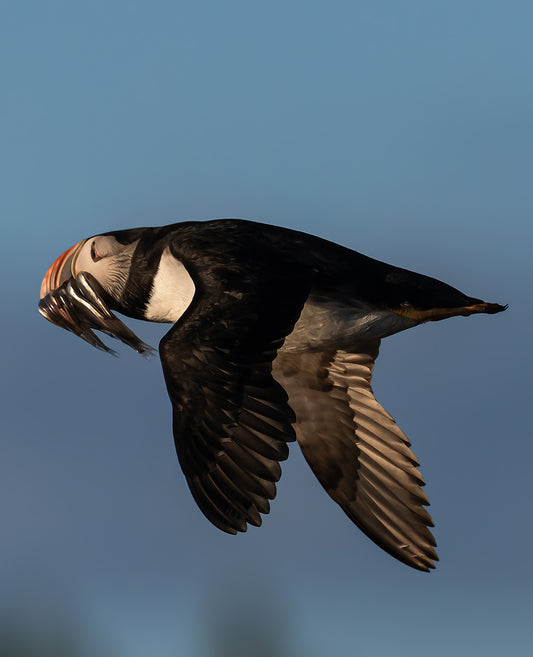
60, 270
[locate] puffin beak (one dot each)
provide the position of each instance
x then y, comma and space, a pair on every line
77, 302
60, 270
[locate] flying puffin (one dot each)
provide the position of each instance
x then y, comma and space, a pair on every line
274, 337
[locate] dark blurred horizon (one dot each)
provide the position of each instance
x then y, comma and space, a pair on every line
245, 627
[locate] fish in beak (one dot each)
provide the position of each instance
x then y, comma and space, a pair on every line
78, 303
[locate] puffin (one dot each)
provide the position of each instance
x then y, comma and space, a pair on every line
274, 337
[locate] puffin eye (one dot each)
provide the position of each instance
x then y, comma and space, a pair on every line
94, 253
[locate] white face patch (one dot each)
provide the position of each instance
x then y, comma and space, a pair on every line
172, 290
107, 260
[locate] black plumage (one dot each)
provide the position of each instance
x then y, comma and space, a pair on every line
275, 336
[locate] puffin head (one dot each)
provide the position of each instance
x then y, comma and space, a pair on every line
102, 256
84, 281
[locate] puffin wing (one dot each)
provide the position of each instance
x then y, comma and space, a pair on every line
231, 419
357, 451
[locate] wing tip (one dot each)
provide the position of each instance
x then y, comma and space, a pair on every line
423, 561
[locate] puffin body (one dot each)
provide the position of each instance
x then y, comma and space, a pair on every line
274, 337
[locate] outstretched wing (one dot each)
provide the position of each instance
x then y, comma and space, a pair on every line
231, 419
356, 450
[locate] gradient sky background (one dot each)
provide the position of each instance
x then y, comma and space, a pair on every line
401, 129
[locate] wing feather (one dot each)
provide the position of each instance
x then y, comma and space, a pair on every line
231, 419
357, 451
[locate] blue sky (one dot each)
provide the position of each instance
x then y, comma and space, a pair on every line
401, 130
